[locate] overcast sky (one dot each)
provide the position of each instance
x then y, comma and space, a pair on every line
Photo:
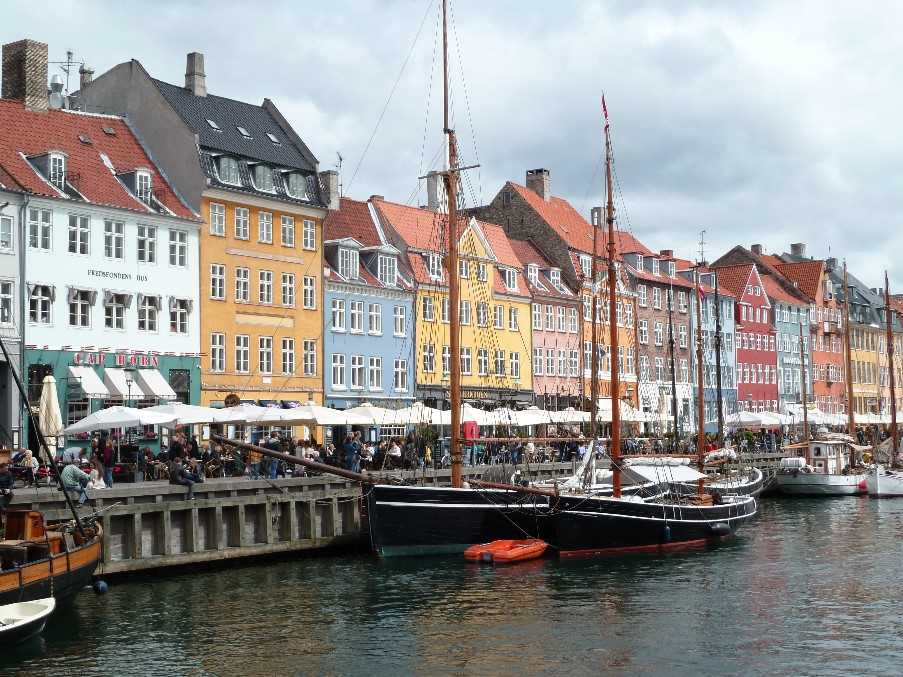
773, 123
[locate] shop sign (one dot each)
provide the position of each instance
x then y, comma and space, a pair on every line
102, 359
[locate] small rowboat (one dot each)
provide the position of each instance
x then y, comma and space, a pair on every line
506, 551
23, 620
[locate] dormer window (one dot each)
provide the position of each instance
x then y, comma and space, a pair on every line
388, 270
348, 263
555, 276
263, 178
672, 269
143, 187
510, 277
434, 266
297, 185
586, 265
655, 266
639, 262
228, 170
244, 132
533, 273
58, 170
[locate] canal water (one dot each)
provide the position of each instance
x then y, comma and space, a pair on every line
809, 588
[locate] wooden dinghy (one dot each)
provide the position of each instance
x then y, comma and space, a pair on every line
506, 551
24, 620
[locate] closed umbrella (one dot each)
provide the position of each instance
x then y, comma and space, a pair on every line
118, 417
51, 421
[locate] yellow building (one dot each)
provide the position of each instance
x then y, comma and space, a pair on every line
496, 345
866, 368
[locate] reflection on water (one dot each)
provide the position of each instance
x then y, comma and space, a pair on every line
808, 588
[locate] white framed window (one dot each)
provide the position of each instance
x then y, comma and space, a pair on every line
555, 277
500, 362
113, 239
114, 312
444, 310
288, 231
178, 316
263, 178
338, 314
265, 227
575, 362
465, 360
572, 320
513, 320
586, 265
348, 263
446, 359
550, 317
265, 287
514, 365
40, 225
538, 362
242, 285
288, 290
388, 270
79, 308
463, 269
429, 310
217, 352
7, 303
682, 301
375, 319
510, 277
659, 333
533, 273
309, 234
297, 184
481, 272
242, 353
375, 373
357, 372
659, 364
537, 315
482, 314
6, 233
218, 281
641, 295
434, 266
148, 307
682, 335
147, 244
242, 223
58, 170
400, 317
217, 219
561, 313
227, 168
401, 375
265, 354
310, 357
562, 363
499, 317
338, 370
643, 332
79, 234
684, 371
482, 362
356, 313
429, 358
655, 268
178, 248
464, 311
656, 296
644, 368
310, 292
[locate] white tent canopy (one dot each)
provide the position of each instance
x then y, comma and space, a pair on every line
118, 417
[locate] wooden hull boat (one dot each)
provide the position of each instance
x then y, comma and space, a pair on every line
506, 551
39, 562
23, 620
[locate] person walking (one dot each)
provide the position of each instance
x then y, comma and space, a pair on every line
273, 444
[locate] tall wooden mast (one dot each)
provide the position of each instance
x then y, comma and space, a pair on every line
805, 399
890, 372
595, 313
615, 449
673, 370
848, 368
451, 191
700, 392
718, 395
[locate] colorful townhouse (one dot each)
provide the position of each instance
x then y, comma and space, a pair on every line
757, 388
792, 344
108, 288
531, 213
257, 186
368, 335
494, 311
662, 313
555, 322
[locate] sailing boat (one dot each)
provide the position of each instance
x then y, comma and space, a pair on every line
829, 467
884, 482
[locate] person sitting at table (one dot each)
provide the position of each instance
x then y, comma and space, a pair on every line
179, 475
74, 478
95, 482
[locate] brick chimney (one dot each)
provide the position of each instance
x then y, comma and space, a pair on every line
667, 253
435, 191
85, 76
25, 73
195, 79
830, 263
756, 249
540, 182
798, 249
329, 180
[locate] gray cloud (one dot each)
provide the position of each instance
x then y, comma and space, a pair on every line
762, 122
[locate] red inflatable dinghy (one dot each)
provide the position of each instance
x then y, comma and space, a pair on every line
506, 551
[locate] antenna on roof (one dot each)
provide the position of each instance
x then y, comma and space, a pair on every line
339, 168
702, 246
66, 66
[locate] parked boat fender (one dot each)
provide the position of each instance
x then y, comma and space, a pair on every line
666, 534
100, 587
720, 529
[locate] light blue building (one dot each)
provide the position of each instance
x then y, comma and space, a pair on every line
728, 359
791, 312
368, 344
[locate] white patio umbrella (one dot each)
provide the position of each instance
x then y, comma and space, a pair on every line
570, 415
242, 413
118, 417
743, 419
628, 413
469, 413
51, 421
375, 415
419, 414
770, 419
186, 414
316, 414
533, 416
504, 416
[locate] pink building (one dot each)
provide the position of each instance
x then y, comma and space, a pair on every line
556, 322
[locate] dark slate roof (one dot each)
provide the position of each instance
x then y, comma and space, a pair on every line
314, 195
228, 114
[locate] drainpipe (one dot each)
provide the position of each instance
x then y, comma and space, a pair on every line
23, 287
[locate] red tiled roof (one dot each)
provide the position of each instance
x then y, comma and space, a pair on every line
734, 278
352, 219
419, 228
501, 245
776, 292
527, 253
31, 133
807, 273
677, 280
